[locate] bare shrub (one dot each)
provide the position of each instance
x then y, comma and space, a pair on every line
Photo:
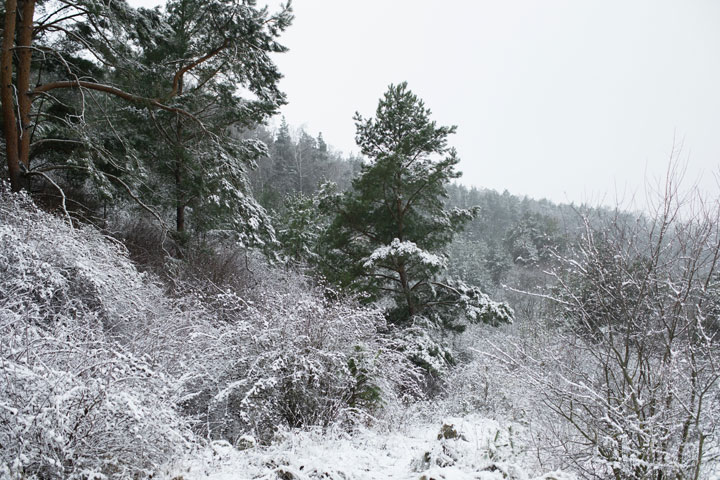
633, 372
147, 244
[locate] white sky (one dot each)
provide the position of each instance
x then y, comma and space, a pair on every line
570, 100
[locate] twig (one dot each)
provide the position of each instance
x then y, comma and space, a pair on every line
62, 194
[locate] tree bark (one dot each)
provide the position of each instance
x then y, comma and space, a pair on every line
407, 291
179, 200
24, 53
180, 220
7, 95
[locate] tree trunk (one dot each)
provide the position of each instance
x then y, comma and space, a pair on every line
405, 285
179, 200
180, 217
24, 53
7, 95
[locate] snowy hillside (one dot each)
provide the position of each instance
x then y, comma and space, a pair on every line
104, 375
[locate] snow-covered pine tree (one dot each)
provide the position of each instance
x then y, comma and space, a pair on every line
141, 102
390, 230
217, 54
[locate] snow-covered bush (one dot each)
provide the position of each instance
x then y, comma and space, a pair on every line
294, 358
481, 382
103, 374
82, 391
51, 272
73, 405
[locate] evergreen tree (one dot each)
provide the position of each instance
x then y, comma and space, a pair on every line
304, 163
322, 147
390, 231
283, 158
209, 48
142, 101
298, 226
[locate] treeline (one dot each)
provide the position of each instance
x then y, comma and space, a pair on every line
512, 238
297, 164
508, 239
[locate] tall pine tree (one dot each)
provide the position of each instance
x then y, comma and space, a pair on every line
390, 231
218, 56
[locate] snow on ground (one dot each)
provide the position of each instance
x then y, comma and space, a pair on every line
469, 448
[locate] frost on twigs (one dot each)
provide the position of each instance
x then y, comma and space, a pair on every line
297, 360
628, 372
81, 391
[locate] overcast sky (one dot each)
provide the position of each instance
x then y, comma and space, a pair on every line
570, 100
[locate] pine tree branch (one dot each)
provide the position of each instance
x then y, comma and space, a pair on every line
116, 92
380, 275
179, 74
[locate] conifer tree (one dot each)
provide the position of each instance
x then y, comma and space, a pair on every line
143, 102
390, 231
209, 49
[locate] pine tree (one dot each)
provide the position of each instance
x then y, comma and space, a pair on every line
143, 102
390, 231
298, 226
209, 48
322, 147
283, 158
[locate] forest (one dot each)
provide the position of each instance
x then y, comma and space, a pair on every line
187, 291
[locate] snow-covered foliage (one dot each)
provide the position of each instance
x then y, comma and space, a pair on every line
294, 359
102, 375
387, 256
299, 226
81, 392
459, 304
424, 343
224, 204
90, 411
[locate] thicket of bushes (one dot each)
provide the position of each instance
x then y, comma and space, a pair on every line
109, 371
